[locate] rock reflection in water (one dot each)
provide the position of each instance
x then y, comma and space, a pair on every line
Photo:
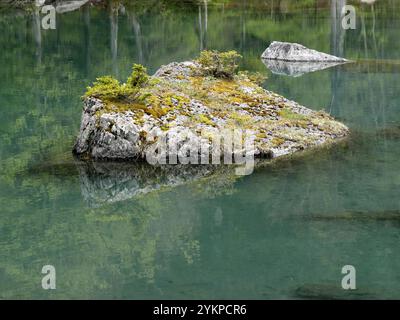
297, 69
108, 182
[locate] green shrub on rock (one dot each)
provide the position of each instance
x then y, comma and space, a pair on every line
105, 88
224, 65
219, 64
139, 77
110, 89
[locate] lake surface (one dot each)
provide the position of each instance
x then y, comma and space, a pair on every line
285, 231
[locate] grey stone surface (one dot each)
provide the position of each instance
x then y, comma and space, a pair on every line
295, 52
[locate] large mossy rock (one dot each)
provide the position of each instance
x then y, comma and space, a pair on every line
180, 97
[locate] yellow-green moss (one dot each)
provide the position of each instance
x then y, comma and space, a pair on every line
241, 119
255, 77
286, 113
276, 142
204, 119
174, 100
118, 106
261, 135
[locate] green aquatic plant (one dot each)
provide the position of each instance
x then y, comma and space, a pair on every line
219, 64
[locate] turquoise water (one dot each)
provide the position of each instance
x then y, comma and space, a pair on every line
283, 232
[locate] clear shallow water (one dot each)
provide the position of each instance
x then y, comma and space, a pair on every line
283, 232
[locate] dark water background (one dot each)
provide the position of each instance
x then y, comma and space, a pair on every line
283, 232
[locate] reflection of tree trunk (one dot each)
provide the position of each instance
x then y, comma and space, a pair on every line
114, 37
205, 22
138, 36
373, 30
272, 9
37, 34
364, 35
205, 15
337, 48
243, 23
338, 33
86, 20
200, 29
203, 25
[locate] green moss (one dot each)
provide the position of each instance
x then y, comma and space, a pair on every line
165, 128
175, 100
224, 86
286, 113
241, 120
276, 142
261, 135
155, 106
325, 123
157, 111
255, 77
204, 119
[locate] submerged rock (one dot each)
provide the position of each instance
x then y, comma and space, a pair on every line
179, 97
357, 216
331, 291
295, 52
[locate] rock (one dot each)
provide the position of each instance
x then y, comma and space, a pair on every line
297, 69
188, 110
287, 51
110, 135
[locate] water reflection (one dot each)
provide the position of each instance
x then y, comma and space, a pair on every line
296, 69
285, 231
108, 182
68, 6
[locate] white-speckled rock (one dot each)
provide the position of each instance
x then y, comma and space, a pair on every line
287, 51
196, 110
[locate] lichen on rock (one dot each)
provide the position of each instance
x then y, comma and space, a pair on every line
202, 98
